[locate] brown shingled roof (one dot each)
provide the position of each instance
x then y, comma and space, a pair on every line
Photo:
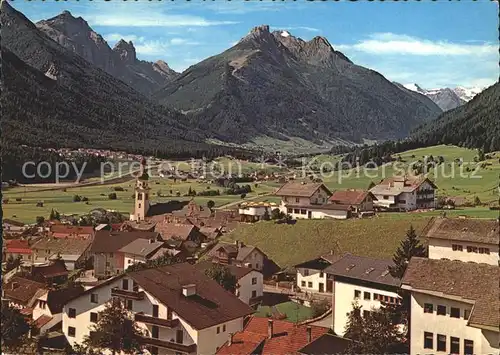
175, 230
474, 283
466, 229
110, 242
22, 290
300, 190
71, 246
211, 305
349, 197
236, 271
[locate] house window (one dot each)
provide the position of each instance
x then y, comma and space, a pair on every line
454, 312
367, 296
457, 247
306, 272
94, 298
72, 313
386, 197
471, 249
484, 251
254, 294
441, 310
154, 331
257, 266
130, 305
302, 211
428, 340
71, 331
303, 284
218, 330
321, 274
468, 347
42, 304
285, 199
223, 327
93, 317
125, 284
110, 255
466, 314
296, 211
357, 294
254, 281
289, 210
428, 308
179, 335
155, 310
455, 345
297, 200
310, 284
441, 342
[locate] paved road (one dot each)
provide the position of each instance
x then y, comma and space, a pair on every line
230, 204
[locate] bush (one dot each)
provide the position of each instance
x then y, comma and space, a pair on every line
18, 199
77, 198
319, 307
243, 196
112, 196
118, 188
477, 201
85, 199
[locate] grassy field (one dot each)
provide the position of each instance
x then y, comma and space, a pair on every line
289, 245
294, 312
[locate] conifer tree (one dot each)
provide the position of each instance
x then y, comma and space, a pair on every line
408, 248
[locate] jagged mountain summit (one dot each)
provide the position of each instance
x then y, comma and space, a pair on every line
52, 97
273, 84
75, 34
445, 98
467, 94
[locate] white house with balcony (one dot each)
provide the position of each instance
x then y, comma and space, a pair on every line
464, 239
254, 211
179, 308
404, 194
362, 280
454, 307
311, 276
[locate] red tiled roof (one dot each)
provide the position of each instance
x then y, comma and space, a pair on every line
42, 320
18, 246
349, 197
288, 338
22, 290
62, 230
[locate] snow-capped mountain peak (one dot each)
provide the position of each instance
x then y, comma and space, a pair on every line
446, 98
467, 94
285, 34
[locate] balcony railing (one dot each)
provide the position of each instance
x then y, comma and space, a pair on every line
255, 300
169, 345
167, 323
134, 295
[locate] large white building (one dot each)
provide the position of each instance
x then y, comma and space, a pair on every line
362, 280
311, 276
465, 239
181, 310
455, 307
405, 194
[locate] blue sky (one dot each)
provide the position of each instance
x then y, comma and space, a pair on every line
433, 44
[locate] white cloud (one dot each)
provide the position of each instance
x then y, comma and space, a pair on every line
148, 19
182, 41
115, 37
390, 43
152, 48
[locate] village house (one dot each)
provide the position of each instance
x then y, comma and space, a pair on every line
363, 280
326, 344
360, 201
141, 250
11, 226
311, 277
255, 211
180, 309
51, 273
268, 336
47, 310
405, 194
454, 307
303, 200
238, 254
464, 239
22, 293
105, 250
65, 231
250, 286
17, 248
73, 251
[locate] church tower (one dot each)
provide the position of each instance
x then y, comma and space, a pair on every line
141, 194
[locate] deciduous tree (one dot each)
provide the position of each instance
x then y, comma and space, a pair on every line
15, 329
223, 276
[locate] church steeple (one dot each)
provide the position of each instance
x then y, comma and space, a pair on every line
141, 194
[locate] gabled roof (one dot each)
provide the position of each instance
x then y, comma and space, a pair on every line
472, 282
62, 245
288, 338
350, 197
54, 269
17, 246
326, 344
42, 320
363, 268
22, 290
56, 299
211, 305
141, 247
111, 241
297, 189
315, 264
175, 230
388, 186
70, 230
466, 229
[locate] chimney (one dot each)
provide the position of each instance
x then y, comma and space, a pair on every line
309, 334
270, 328
189, 290
230, 340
